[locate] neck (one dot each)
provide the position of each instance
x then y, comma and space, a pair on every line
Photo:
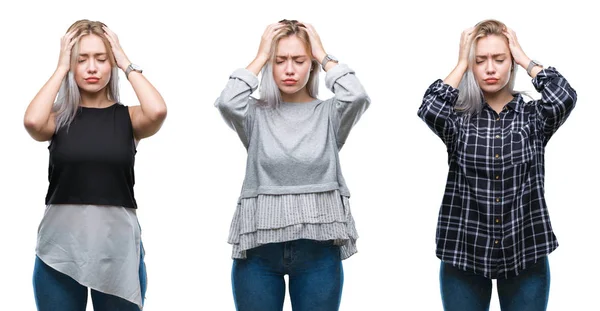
298, 97
498, 100
95, 100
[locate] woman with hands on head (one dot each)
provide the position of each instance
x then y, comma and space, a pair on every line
493, 222
293, 215
89, 235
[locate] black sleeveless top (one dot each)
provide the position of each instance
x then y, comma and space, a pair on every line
91, 161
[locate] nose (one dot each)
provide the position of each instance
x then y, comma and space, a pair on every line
489, 68
92, 66
289, 67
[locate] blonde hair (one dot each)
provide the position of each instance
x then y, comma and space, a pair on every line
470, 96
69, 97
270, 95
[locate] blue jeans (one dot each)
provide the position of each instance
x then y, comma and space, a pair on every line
315, 275
57, 291
466, 291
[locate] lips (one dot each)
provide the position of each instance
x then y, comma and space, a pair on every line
289, 81
491, 80
92, 80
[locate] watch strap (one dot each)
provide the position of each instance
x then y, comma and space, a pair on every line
532, 64
131, 68
327, 59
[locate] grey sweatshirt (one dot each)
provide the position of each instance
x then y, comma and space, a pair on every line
293, 148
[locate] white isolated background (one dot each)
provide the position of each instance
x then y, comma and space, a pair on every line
189, 174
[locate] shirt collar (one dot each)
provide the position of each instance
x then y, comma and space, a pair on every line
515, 104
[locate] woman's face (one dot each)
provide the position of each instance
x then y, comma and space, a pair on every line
93, 68
291, 68
493, 63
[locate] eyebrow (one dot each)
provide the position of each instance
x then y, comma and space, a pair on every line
493, 55
293, 57
95, 54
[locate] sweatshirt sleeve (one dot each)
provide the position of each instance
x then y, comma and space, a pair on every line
350, 100
236, 105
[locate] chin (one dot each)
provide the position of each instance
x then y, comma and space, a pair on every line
288, 91
491, 89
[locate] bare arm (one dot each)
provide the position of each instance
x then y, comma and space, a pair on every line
39, 119
148, 117
466, 39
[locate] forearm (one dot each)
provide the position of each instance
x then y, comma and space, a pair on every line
257, 64
152, 103
454, 78
39, 110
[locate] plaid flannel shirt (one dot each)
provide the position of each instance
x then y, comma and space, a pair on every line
493, 220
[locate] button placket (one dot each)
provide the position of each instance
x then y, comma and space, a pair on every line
497, 143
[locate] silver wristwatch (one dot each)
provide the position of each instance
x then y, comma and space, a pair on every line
132, 67
532, 64
327, 59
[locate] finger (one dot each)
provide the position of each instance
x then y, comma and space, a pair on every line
273, 27
107, 30
110, 39
69, 35
111, 35
73, 41
68, 38
509, 36
310, 28
275, 32
114, 43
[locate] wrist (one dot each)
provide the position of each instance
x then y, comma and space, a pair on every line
462, 66
319, 57
62, 70
124, 65
257, 64
524, 62
262, 59
533, 67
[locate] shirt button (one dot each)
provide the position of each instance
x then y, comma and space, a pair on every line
497, 177
497, 220
497, 156
497, 119
496, 242
497, 199
497, 136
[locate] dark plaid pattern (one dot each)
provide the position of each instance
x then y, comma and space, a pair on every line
493, 220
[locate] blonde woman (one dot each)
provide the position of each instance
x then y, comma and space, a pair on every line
89, 236
493, 222
293, 216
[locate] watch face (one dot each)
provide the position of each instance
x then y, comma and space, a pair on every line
136, 67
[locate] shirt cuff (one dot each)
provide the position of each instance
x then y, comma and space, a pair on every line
247, 76
335, 73
544, 76
443, 90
